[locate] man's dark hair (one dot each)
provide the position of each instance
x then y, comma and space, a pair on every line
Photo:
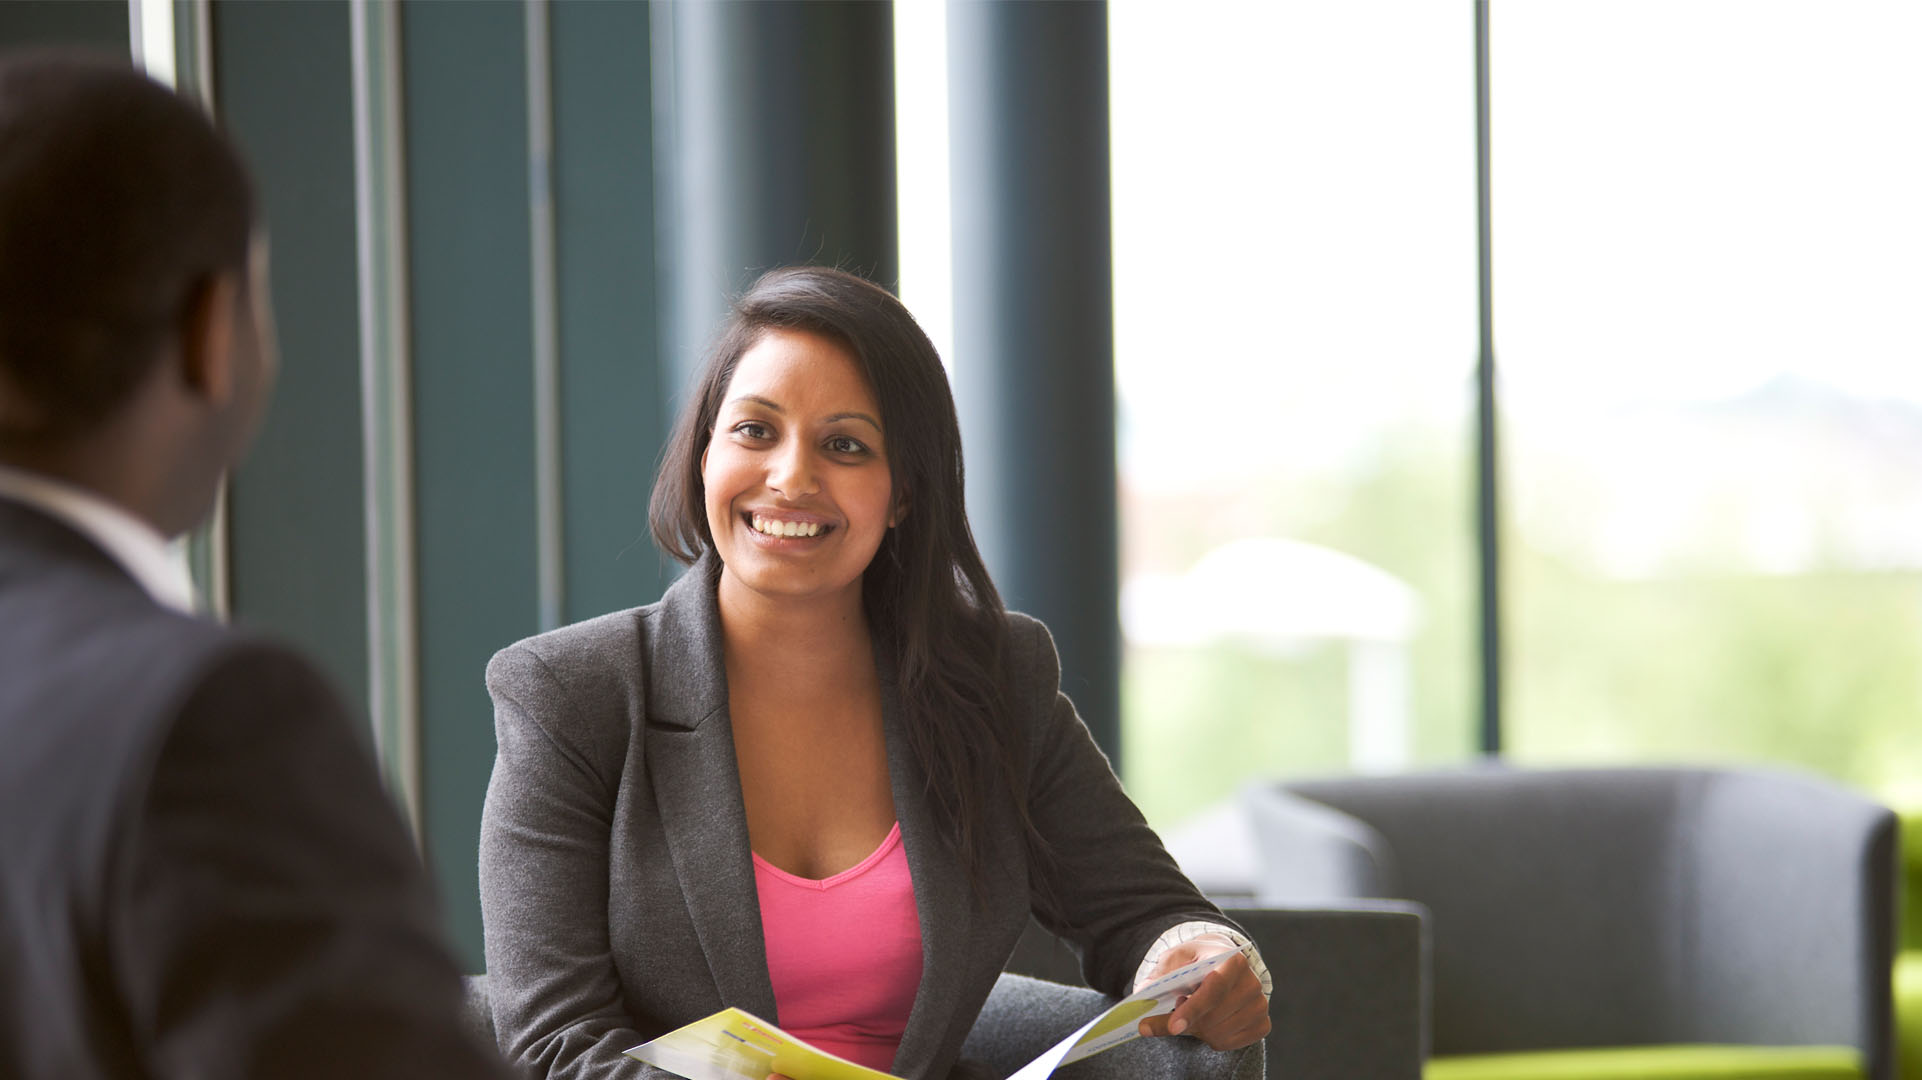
119, 202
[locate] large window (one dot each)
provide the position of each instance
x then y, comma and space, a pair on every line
1707, 303
1708, 266
1294, 245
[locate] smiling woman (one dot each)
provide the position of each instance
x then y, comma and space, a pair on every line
828, 778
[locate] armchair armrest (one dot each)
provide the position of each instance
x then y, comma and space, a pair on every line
1351, 988
1791, 920
1351, 998
1024, 1016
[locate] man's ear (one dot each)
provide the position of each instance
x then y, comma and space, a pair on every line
207, 338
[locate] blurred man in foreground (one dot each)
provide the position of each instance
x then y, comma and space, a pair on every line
200, 875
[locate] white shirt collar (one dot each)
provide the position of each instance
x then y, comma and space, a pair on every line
138, 547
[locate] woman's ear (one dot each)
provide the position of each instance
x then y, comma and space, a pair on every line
900, 511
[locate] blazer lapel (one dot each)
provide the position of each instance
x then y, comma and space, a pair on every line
697, 785
942, 897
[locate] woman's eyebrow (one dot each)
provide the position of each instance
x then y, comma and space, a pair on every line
772, 406
861, 416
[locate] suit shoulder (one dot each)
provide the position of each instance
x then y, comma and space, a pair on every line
151, 654
605, 645
247, 656
95, 723
1025, 630
1030, 669
250, 689
1030, 651
129, 621
582, 685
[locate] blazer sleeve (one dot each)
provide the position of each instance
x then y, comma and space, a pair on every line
558, 1006
1104, 883
275, 920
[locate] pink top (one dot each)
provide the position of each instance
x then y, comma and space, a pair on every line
844, 953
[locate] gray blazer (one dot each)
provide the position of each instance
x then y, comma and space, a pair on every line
617, 888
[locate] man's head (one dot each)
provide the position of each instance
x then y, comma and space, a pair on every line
136, 351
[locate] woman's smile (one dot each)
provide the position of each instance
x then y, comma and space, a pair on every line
784, 527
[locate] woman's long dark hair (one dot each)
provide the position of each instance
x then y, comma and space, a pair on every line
929, 600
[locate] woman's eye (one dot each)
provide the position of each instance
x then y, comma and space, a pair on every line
842, 444
753, 429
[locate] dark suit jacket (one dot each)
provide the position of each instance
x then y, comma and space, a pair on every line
617, 887
200, 875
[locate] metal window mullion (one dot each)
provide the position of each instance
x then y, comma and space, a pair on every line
393, 637
550, 578
194, 74
189, 69
194, 49
1487, 505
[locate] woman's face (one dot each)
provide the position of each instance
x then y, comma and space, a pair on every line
799, 494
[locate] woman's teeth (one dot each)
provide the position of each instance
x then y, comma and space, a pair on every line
786, 528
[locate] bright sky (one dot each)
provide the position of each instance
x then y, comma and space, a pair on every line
1294, 228
1691, 196
921, 152
1696, 195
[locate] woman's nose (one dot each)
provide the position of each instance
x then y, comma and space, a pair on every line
792, 471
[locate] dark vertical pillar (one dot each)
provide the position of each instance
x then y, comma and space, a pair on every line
102, 24
612, 425
776, 139
465, 78
1034, 323
296, 516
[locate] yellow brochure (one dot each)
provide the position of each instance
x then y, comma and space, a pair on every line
737, 1045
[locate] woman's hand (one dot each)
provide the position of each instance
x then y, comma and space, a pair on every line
1227, 1011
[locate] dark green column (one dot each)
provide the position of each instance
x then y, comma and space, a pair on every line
777, 147
465, 80
611, 423
103, 24
1034, 323
296, 516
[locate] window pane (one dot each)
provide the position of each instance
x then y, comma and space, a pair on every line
1708, 258
1295, 318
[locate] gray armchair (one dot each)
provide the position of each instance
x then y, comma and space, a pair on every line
1614, 907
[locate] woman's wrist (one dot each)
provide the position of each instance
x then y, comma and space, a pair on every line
1198, 931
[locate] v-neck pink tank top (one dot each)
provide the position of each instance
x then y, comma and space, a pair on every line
844, 953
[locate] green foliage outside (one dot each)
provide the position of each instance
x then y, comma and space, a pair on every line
1816, 671
1199, 723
